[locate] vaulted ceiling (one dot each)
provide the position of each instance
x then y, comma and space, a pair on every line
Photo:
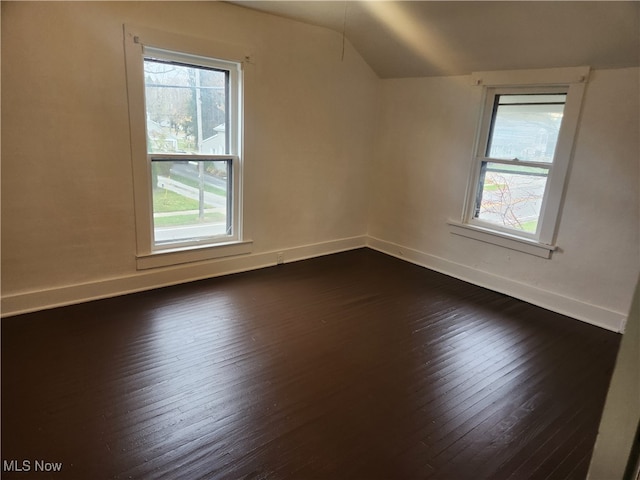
430, 38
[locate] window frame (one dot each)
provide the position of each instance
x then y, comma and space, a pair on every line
140, 43
481, 156
571, 81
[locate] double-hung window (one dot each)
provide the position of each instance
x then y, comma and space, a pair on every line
523, 147
191, 147
185, 114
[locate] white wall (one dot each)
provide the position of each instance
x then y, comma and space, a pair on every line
67, 202
621, 415
425, 141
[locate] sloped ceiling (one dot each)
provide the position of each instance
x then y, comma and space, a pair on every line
431, 38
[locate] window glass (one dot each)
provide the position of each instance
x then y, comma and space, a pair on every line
191, 200
186, 108
510, 195
525, 127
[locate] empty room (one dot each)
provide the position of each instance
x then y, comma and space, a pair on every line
320, 240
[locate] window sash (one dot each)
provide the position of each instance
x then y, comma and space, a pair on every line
483, 169
506, 101
233, 100
232, 217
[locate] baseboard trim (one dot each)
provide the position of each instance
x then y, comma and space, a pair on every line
592, 314
32, 301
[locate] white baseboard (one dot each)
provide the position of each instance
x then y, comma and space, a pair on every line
149, 279
161, 277
592, 314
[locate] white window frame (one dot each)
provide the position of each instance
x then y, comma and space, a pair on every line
139, 43
571, 81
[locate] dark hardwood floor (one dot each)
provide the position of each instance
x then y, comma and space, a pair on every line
350, 366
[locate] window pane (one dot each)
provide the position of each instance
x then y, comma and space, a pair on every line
526, 127
191, 200
511, 195
186, 108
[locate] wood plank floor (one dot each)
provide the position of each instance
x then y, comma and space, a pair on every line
350, 366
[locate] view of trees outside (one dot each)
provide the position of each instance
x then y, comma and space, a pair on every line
512, 196
186, 114
524, 131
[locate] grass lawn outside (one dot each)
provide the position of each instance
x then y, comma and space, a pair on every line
529, 226
194, 183
188, 219
492, 187
166, 201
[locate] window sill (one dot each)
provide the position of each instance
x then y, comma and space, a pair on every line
166, 258
505, 240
